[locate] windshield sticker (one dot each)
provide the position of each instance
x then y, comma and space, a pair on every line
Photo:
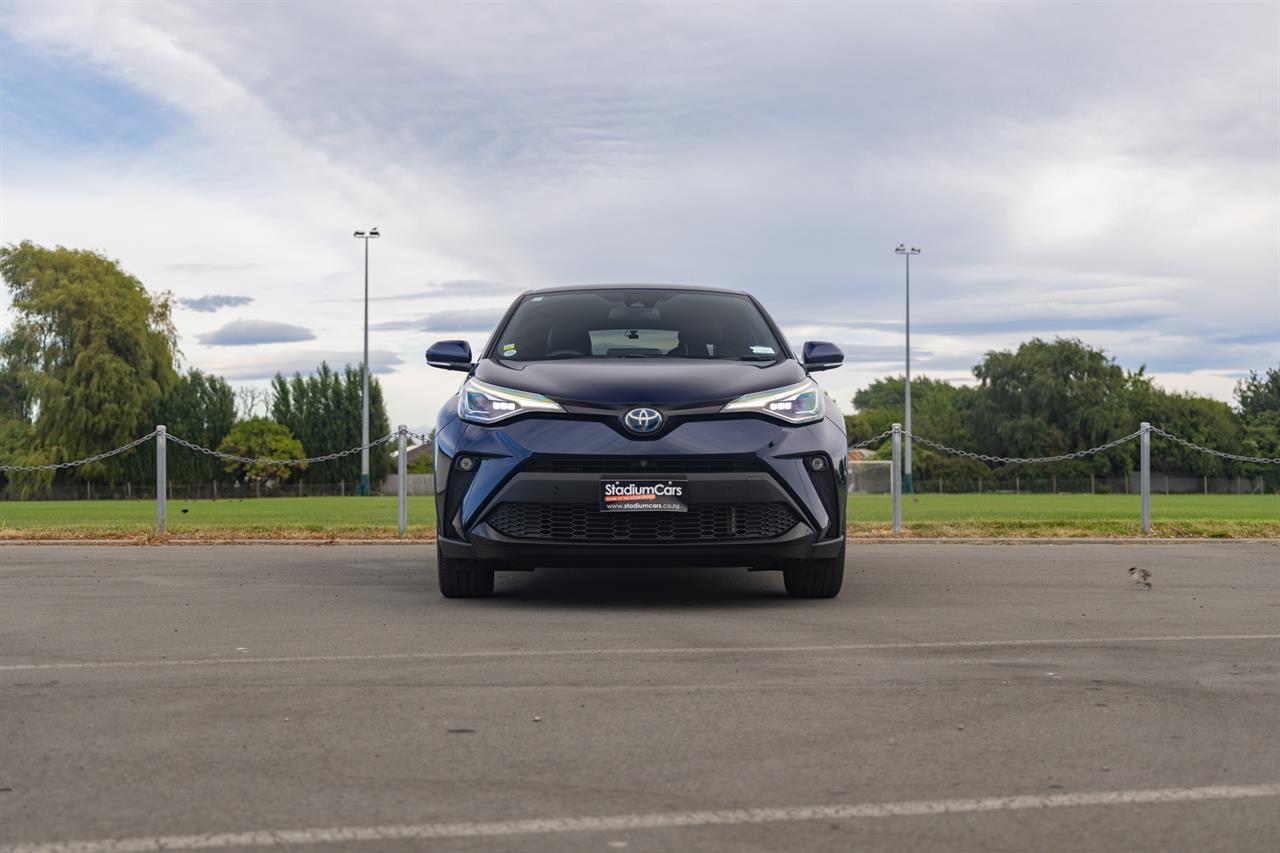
536, 299
508, 350
762, 350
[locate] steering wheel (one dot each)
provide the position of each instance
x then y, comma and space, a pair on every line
562, 352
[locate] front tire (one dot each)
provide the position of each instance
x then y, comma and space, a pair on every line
820, 578
463, 578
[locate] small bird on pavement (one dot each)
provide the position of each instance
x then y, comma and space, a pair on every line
1139, 578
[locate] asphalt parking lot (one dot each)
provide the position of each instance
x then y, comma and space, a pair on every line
955, 697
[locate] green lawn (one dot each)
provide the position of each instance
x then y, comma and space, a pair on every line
303, 518
869, 515
1068, 515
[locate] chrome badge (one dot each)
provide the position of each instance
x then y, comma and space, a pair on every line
643, 421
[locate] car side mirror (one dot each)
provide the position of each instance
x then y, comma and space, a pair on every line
450, 355
820, 355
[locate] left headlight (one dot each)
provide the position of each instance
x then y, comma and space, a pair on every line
796, 404
482, 403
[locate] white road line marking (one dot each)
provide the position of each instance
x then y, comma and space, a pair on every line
661, 820
685, 650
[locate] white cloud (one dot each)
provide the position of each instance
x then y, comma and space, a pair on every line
211, 302
292, 361
456, 320
244, 332
1209, 383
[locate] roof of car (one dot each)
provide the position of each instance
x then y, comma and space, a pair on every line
633, 286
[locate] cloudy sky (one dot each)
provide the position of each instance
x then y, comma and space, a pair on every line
1107, 171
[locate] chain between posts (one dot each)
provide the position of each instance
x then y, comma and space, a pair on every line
391, 436
1078, 454
870, 441
1261, 460
98, 457
55, 466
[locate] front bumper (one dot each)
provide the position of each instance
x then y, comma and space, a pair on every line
752, 499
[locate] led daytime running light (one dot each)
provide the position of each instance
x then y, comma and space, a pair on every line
796, 404
482, 403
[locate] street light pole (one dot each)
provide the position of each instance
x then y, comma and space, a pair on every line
363, 487
906, 456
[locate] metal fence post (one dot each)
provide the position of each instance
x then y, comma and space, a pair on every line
1144, 477
895, 478
402, 485
162, 477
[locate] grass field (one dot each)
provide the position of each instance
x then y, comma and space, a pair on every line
293, 518
1226, 516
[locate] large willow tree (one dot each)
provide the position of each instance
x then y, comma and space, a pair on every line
88, 350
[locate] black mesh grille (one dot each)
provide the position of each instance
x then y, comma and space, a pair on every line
587, 523
642, 465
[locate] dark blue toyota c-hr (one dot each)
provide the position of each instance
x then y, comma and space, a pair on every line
643, 424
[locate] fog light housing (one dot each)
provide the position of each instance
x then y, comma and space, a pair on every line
817, 463
466, 463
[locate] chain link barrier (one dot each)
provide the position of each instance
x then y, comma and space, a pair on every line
420, 437
55, 466
191, 445
1031, 460
870, 441
1260, 460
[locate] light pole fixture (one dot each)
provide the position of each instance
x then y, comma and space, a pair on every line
363, 487
906, 456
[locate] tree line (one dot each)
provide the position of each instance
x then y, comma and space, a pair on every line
1051, 397
90, 362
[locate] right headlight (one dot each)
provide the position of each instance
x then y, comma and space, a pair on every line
482, 403
796, 404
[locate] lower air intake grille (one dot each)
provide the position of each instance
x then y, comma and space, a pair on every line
824, 482
587, 523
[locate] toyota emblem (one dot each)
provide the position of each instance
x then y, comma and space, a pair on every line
643, 421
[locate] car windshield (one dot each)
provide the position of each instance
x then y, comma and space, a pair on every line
640, 323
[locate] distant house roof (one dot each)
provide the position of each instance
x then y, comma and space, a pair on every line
414, 452
859, 454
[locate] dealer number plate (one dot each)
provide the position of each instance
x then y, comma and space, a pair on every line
644, 495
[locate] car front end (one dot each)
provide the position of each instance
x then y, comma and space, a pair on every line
601, 457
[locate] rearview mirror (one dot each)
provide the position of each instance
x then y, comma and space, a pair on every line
450, 355
820, 355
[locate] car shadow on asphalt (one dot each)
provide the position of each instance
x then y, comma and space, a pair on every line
640, 587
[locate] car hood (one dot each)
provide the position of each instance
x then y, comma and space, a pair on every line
670, 382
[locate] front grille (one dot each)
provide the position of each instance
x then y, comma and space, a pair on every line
642, 464
587, 523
